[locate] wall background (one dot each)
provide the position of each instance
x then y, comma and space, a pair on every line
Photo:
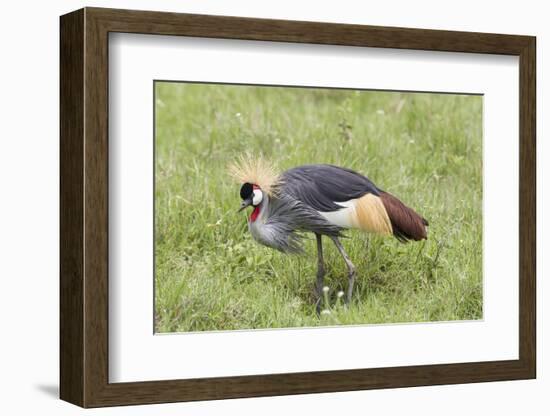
29, 209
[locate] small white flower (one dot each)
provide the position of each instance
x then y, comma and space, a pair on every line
325, 312
325, 289
237, 114
340, 294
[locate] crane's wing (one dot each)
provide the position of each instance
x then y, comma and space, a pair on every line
288, 219
348, 199
322, 186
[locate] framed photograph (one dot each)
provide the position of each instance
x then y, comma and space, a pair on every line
255, 207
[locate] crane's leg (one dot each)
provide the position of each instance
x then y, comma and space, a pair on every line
320, 273
351, 268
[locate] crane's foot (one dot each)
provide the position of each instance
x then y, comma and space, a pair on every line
351, 269
318, 306
351, 282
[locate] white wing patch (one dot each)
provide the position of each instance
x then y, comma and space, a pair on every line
343, 217
366, 213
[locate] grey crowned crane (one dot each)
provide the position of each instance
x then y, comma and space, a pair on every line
324, 200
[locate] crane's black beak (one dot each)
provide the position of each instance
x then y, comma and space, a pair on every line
246, 203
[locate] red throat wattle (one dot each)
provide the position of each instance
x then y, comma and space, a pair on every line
255, 213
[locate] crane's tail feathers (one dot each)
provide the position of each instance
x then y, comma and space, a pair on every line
406, 223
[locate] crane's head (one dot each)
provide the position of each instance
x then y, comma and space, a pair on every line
251, 194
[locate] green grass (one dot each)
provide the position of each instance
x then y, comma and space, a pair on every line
424, 148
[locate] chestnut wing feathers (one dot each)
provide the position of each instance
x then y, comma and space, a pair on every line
406, 223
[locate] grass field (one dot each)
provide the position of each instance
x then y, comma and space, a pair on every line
424, 148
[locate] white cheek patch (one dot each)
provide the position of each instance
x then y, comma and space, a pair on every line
257, 198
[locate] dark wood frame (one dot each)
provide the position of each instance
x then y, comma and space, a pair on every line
84, 207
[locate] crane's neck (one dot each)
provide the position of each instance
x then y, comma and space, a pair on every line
259, 210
